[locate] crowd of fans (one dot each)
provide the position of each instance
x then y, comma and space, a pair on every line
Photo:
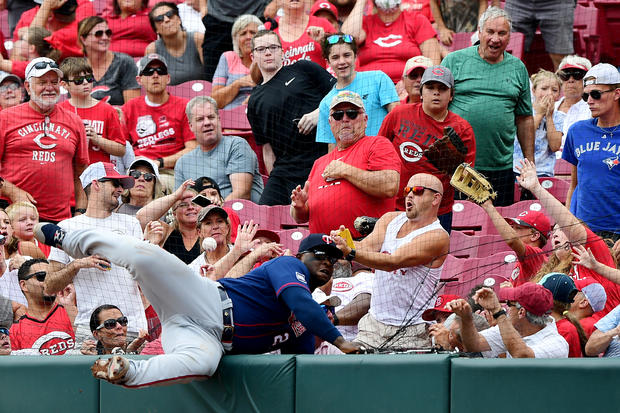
343, 97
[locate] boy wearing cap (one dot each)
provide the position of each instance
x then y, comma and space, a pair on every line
523, 330
593, 146
413, 128
589, 301
95, 281
41, 142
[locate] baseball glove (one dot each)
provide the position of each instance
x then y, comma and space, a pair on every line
448, 152
472, 183
364, 225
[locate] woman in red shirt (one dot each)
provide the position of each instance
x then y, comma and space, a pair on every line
131, 29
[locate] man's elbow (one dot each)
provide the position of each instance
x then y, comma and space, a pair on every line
390, 187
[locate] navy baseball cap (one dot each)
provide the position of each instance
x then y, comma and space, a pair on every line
320, 242
561, 286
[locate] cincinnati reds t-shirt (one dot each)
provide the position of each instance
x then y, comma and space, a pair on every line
37, 153
104, 119
157, 131
50, 336
388, 46
304, 48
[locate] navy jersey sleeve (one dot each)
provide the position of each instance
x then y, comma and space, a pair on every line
287, 272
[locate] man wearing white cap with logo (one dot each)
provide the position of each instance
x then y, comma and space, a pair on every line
96, 281
43, 147
593, 147
412, 76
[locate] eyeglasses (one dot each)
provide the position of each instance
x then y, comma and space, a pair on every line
81, 79
11, 86
161, 71
417, 190
346, 38
576, 74
99, 33
272, 48
168, 14
43, 65
511, 303
148, 177
596, 94
181, 205
415, 74
114, 182
110, 323
40, 275
322, 255
339, 114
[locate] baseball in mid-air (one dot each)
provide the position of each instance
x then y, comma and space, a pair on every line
209, 244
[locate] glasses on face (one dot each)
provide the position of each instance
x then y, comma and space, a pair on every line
415, 74
99, 33
114, 182
566, 74
110, 323
595, 94
4, 331
417, 190
511, 303
168, 14
40, 276
161, 71
272, 48
346, 38
322, 255
339, 114
81, 79
148, 177
11, 86
181, 205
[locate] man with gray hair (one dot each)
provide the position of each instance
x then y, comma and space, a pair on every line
229, 160
525, 330
492, 92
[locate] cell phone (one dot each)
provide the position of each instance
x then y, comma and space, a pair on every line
201, 200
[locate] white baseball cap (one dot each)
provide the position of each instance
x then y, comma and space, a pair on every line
40, 66
602, 74
145, 161
415, 62
100, 170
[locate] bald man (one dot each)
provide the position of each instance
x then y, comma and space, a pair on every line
407, 249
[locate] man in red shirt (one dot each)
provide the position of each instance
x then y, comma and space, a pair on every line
46, 327
359, 177
413, 128
43, 147
157, 123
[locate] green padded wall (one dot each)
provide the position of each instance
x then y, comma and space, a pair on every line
263, 383
48, 384
529, 385
373, 383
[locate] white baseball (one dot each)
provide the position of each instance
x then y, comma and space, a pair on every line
209, 244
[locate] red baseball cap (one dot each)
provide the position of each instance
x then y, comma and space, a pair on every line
324, 5
440, 307
533, 297
533, 219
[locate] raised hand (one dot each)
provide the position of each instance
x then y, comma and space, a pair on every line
528, 178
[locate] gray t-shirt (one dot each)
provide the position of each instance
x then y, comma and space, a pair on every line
121, 75
232, 155
229, 10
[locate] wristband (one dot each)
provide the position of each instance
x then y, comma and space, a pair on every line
499, 314
80, 210
350, 256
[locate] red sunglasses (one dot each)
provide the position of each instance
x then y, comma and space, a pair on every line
417, 190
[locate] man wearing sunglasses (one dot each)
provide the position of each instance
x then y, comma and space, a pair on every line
52, 147
5, 341
157, 122
593, 148
407, 250
269, 308
361, 173
95, 280
46, 326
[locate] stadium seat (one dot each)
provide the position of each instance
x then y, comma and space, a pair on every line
4, 23
266, 216
235, 119
291, 238
468, 217
588, 34
609, 27
476, 246
562, 168
191, 88
460, 41
469, 272
518, 207
515, 46
557, 187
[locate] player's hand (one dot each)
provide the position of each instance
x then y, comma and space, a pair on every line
316, 33
308, 122
299, 196
488, 300
335, 170
347, 347
93, 261
245, 237
208, 271
154, 232
528, 178
89, 348
461, 308
583, 256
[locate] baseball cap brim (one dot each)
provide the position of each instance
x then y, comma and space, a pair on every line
522, 223
209, 210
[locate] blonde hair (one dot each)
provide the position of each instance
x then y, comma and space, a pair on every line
543, 74
14, 209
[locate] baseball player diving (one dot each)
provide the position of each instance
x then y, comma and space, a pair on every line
269, 308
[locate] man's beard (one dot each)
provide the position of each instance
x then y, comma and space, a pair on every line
43, 104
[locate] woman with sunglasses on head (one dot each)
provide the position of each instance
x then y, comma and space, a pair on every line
591, 146
182, 50
571, 106
129, 22
146, 188
103, 128
115, 72
232, 83
109, 327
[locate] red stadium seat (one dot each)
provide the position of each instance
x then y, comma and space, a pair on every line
562, 168
267, 217
476, 246
291, 238
4, 23
515, 46
191, 88
490, 271
235, 119
557, 187
468, 217
460, 41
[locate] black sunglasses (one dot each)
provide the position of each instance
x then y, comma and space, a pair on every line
43, 65
576, 74
339, 114
114, 182
40, 275
110, 323
167, 14
596, 94
81, 79
322, 255
161, 71
99, 33
148, 177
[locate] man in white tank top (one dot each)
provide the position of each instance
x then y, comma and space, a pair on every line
407, 249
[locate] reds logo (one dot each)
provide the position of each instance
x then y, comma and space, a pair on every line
40, 136
99, 93
342, 286
325, 5
439, 302
389, 41
410, 151
438, 71
55, 342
